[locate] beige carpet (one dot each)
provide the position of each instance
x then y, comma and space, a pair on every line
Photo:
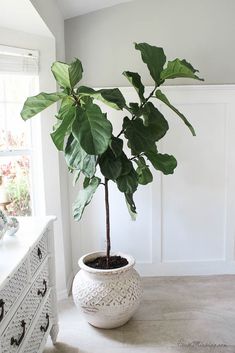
177, 315
61, 347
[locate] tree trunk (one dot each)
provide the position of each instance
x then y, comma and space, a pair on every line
108, 243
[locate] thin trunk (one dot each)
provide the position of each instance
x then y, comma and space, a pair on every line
108, 244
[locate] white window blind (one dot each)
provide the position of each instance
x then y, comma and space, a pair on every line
18, 60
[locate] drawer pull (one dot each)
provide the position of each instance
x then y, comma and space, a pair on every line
17, 342
39, 254
43, 292
2, 309
45, 328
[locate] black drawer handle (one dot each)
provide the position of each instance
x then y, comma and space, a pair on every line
45, 328
17, 342
43, 292
39, 254
2, 309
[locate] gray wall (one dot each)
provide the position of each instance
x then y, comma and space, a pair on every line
201, 31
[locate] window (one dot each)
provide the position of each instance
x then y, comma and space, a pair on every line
18, 80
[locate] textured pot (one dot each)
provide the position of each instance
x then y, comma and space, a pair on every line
107, 298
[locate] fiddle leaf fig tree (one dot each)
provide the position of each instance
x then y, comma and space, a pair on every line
85, 134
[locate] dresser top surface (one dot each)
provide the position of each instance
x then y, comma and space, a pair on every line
14, 248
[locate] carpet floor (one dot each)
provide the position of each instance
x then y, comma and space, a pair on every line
177, 315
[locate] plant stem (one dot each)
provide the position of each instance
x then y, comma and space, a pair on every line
108, 243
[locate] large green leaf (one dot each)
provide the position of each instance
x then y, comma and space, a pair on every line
76, 176
131, 205
139, 136
163, 162
126, 164
155, 121
67, 75
135, 109
36, 104
67, 114
154, 58
78, 159
165, 100
116, 145
65, 102
111, 97
84, 198
92, 129
128, 183
135, 79
179, 68
144, 174
110, 165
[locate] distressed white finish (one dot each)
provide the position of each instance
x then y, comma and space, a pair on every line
107, 298
185, 223
27, 287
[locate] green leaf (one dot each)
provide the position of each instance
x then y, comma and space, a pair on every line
92, 129
67, 113
76, 176
155, 121
84, 198
165, 100
110, 165
128, 183
86, 182
139, 136
135, 109
77, 158
111, 97
126, 164
135, 79
36, 104
154, 58
66, 101
67, 75
116, 145
144, 174
131, 206
163, 162
179, 68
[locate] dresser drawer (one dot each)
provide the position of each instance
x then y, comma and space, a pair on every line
41, 328
12, 290
38, 253
18, 327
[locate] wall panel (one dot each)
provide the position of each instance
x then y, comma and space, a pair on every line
185, 222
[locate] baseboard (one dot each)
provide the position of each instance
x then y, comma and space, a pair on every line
186, 268
69, 283
64, 293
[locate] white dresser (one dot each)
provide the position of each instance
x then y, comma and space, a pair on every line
27, 287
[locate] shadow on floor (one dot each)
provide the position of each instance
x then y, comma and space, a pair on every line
61, 348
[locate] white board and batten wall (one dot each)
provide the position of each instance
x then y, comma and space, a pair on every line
186, 221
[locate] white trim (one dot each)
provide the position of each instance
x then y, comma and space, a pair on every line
7, 50
64, 294
10, 153
187, 268
70, 282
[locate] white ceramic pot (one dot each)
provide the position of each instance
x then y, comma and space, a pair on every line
107, 298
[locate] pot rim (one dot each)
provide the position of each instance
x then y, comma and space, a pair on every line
93, 255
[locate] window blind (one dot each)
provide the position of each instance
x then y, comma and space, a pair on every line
18, 60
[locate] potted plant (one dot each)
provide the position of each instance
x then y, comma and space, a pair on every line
108, 288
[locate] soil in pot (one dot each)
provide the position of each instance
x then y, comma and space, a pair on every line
101, 262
